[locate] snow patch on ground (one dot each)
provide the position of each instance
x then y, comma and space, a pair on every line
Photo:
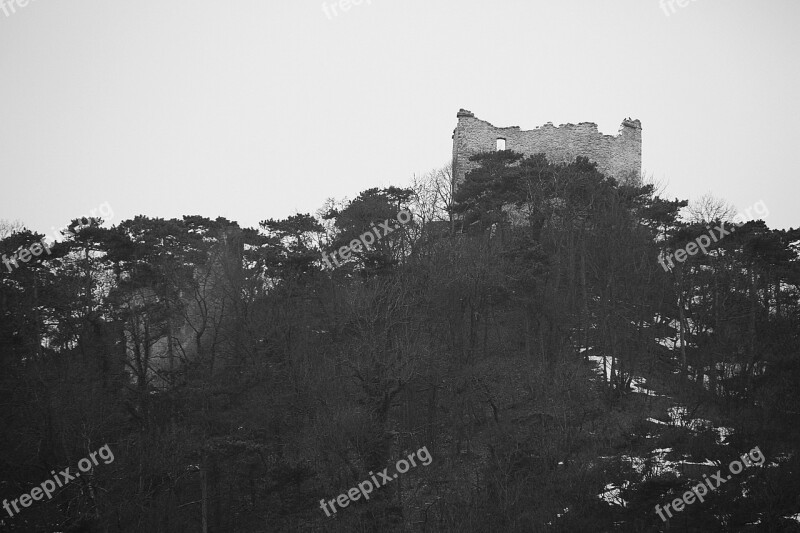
637, 385
598, 360
611, 494
722, 434
680, 418
707, 462
668, 342
637, 463
660, 464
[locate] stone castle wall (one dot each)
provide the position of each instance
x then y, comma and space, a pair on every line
618, 156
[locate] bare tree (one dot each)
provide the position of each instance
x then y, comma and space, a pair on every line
708, 208
328, 224
10, 227
434, 194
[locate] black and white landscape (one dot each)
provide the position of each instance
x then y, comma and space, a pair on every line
399, 265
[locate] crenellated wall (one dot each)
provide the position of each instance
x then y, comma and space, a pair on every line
618, 156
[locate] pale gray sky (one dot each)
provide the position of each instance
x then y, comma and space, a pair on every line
252, 109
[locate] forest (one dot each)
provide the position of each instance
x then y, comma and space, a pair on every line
520, 329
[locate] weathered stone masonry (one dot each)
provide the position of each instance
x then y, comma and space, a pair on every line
618, 156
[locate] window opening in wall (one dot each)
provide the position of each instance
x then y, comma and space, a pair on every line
501, 144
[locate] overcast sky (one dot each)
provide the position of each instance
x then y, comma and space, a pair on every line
252, 109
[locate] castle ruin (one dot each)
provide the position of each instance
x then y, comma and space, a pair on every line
617, 156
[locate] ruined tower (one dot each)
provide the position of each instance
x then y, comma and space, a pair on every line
618, 156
